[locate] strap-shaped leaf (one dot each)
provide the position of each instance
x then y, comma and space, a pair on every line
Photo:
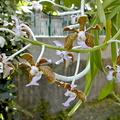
108, 33
49, 73
90, 76
101, 13
107, 90
97, 55
69, 41
113, 13
28, 57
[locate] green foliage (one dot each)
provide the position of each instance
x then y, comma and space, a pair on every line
101, 14
7, 92
107, 90
68, 3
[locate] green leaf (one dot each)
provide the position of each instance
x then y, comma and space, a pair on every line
88, 85
113, 12
97, 56
90, 76
108, 3
107, 90
68, 3
5, 95
114, 45
27, 113
108, 33
49, 7
100, 13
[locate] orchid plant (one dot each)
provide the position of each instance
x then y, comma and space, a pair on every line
87, 42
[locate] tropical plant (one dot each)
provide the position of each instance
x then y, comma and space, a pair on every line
103, 14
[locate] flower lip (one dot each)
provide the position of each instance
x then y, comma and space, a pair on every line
34, 70
72, 97
81, 35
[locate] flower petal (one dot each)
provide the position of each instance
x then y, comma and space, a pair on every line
71, 98
82, 20
26, 9
42, 61
28, 57
82, 44
49, 73
2, 41
79, 94
59, 61
97, 27
89, 40
1, 67
118, 60
73, 19
34, 70
34, 81
109, 67
6, 71
70, 29
118, 77
69, 41
81, 35
110, 75
58, 43
67, 60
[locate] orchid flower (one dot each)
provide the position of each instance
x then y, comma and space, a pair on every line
36, 70
71, 92
17, 28
66, 57
81, 34
34, 5
2, 41
114, 72
6, 68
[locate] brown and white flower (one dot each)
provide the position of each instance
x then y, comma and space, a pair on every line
81, 34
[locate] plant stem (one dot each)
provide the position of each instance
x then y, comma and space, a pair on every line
66, 8
76, 71
13, 55
82, 7
41, 54
70, 78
